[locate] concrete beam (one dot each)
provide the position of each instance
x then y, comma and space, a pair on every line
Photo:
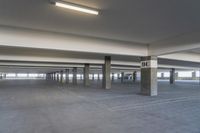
20, 37
45, 61
175, 44
184, 56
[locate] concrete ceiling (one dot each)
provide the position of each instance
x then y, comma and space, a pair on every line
197, 51
128, 27
16, 59
143, 21
25, 52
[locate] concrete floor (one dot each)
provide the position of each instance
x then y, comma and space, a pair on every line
39, 106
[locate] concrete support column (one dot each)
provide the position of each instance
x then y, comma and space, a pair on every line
118, 76
47, 76
194, 75
98, 76
74, 76
57, 77
172, 76
67, 76
162, 75
54, 76
61, 76
199, 76
81, 78
1, 76
122, 77
134, 76
113, 77
106, 73
51, 76
93, 76
86, 75
149, 75
176, 75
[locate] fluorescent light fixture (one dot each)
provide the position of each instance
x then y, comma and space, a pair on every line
75, 7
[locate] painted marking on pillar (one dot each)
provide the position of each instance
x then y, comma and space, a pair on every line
149, 64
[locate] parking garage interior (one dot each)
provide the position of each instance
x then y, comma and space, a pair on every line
91, 66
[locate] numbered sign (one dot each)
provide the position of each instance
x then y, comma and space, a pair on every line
149, 64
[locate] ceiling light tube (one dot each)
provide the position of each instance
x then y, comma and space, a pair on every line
75, 7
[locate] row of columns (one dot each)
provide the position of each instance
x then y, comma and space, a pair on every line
2, 76
148, 75
106, 70
59, 75
173, 76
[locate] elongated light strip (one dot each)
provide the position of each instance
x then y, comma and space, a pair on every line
76, 8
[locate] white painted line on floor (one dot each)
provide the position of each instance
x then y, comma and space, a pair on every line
154, 103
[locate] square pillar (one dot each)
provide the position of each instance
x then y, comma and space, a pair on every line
93, 76
162, 75
113, 77
176, 75
122, 77
81, 78
74, 81
54, 76
134, 76
98, 76
47, 76
106, 73
86, 75
149, 75
194, 75
172, 76
57, 77
61, 76
67, 76
118, 76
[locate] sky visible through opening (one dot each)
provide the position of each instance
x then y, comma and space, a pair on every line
187, 74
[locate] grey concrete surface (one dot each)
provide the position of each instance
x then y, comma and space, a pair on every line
39, 106
172, 76
86, 75
106, 72
149, 83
